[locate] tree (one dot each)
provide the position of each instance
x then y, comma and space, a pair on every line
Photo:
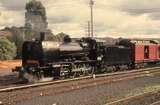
17, 37
60, 36
49, 36
7, 49
66, 39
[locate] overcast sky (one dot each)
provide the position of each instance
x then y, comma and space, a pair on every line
112, 18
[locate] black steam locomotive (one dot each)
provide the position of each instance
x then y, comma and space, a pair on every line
81, 57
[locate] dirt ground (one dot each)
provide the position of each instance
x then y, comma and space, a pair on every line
6, 74
9, 65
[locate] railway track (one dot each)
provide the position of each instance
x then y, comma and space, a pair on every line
137, 99
156, 103
94, 79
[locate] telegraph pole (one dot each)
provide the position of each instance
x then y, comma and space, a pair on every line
91, 7
89, 32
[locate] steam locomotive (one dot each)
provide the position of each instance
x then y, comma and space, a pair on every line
85, 56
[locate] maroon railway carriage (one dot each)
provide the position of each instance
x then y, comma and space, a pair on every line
143, 51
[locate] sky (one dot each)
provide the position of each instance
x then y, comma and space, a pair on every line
112, 18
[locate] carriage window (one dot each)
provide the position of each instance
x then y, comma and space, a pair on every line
146, 52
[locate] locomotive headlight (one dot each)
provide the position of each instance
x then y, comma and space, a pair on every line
57, 45
99, 58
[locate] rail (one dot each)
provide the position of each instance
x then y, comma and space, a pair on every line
112, 77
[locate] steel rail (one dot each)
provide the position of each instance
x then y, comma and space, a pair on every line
134, 97
156, 103
123, 74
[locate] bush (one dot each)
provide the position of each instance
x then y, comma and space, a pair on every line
7, 49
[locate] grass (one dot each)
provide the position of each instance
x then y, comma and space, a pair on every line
141, 91
135, 92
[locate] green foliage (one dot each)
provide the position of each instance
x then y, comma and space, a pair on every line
51, 37
17, 38
60, 36
7, 49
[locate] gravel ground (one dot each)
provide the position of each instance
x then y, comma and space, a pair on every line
7, 77
97, 95
148, 99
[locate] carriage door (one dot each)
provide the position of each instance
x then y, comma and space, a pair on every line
146, 52
158, 52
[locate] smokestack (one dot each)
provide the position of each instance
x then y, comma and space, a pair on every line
42, 36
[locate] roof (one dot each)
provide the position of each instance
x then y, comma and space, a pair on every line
137, 42
144, 41
5, 33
